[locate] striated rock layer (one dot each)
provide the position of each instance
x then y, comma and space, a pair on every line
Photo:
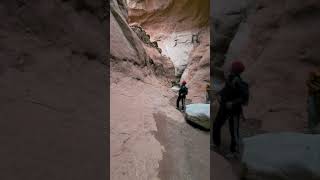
168, 16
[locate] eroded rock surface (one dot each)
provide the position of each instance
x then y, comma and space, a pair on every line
146, 130
181, 30
273, 39
277, 44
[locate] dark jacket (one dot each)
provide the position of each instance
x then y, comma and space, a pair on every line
183, 91
232, 92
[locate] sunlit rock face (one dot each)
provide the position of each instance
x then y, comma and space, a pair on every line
181, 29
169, 15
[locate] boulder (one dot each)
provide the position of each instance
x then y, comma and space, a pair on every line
282, 156
175, 89
199, 114
316, 130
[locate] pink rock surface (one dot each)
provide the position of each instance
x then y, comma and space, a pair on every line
170, 21
147, 131
279, 55
278, 47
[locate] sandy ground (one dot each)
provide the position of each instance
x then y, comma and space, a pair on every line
150, 138
187, 150
221, 169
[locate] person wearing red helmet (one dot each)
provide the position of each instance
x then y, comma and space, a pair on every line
232, 97
237, 67
183, 91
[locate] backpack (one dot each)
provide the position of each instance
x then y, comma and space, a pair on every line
244, 89
235, 82
183, 90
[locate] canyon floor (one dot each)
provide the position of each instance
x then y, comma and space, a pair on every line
150, 138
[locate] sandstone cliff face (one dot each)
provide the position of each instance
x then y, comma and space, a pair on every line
145, 126
181, 29
277, 40
52, 84
197, 72
129, 54
125, 45
169, 16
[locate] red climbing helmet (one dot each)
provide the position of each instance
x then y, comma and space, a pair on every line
184, 82
237, 67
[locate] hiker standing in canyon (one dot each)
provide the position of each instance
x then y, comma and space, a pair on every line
232, 97
208, 93
183, 91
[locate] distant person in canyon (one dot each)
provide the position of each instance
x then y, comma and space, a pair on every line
208, 93
232, 97
183, 91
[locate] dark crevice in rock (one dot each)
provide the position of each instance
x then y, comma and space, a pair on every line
123, 7
145, 38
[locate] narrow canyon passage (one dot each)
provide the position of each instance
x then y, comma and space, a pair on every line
150, 138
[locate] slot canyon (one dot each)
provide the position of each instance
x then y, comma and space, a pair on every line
154, 46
